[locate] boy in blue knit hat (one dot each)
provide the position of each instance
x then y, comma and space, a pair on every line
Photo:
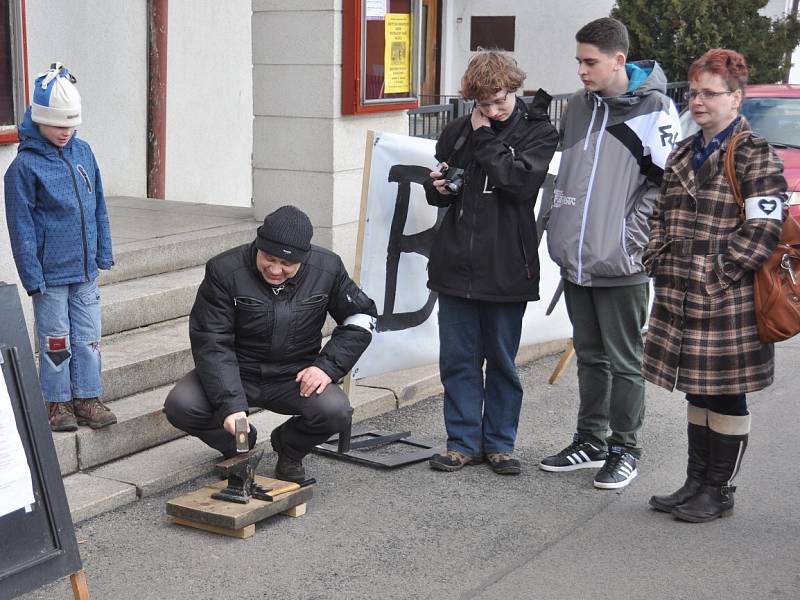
60, 237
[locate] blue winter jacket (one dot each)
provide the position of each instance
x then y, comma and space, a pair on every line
56, 212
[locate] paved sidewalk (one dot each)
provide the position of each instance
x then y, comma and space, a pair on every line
416, 533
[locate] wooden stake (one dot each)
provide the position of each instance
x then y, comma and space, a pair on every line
362, 214
347, 384
563, 363
80, 589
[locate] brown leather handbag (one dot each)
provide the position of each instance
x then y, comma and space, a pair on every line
777, 283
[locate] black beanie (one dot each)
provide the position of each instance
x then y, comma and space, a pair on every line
286, 233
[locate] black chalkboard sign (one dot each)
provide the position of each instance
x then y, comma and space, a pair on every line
37, 543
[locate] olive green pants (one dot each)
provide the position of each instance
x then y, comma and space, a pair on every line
607, 325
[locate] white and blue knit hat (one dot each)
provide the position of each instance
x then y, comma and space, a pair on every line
56, 100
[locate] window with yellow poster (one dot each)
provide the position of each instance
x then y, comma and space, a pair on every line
397, 53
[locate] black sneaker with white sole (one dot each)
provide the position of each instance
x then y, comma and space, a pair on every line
580, 454
619, 470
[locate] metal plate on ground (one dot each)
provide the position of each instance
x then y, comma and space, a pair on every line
394, 453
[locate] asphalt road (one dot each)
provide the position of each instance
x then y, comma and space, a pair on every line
415, 533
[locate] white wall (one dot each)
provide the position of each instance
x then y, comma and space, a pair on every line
8, 271
776, 8
305, 151
209, 93
210, 102
104, 43
544, 44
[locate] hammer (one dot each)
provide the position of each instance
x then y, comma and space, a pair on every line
242, 443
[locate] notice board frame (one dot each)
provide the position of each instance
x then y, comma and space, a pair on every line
38, 547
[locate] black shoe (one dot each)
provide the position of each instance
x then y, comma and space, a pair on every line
580, 454
619, 470
503, 463
715, 498
683, 494
708, 504
286, 468
695, 471
289, 469
452, 460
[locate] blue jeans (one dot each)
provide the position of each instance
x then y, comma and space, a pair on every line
68, 333
480, 417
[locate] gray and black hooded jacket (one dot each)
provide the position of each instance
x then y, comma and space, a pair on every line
613, 156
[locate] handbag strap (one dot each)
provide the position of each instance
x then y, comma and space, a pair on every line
730, 168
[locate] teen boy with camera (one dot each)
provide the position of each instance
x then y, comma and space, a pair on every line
484, 261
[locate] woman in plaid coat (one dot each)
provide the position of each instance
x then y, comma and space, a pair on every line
702, 252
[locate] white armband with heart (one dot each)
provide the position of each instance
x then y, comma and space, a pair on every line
763, 207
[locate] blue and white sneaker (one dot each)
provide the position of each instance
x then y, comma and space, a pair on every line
619, 470
580, 454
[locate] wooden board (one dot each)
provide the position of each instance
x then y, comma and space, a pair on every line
297, 511
200, 507
242, 534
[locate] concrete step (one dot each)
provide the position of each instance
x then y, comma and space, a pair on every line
146, 358
154, 236
141, 424
147, 300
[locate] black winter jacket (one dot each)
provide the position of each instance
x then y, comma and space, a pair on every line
239, 328
487, 246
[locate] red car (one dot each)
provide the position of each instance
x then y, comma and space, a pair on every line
773, 111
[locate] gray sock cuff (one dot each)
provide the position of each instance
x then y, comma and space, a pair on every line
696, 415
728, 424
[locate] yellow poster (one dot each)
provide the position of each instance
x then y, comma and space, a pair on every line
397, 54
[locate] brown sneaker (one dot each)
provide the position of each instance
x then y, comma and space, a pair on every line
61, 416
92, 412
503, 463
452, 460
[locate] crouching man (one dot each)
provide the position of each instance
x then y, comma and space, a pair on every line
256, 335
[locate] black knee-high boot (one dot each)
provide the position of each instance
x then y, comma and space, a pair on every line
695, 471
715, 497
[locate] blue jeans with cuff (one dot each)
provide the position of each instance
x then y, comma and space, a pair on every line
68, 333
481, 416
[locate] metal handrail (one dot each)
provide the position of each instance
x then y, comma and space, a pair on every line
429, 120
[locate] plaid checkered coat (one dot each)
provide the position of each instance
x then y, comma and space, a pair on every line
702, 335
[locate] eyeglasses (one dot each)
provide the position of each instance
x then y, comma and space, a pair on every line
704, 95
487, 105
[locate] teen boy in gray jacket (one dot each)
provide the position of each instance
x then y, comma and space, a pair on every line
616, 135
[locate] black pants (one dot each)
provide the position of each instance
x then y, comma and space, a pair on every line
734, 405
316, 418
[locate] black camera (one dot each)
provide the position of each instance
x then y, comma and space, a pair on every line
455, 180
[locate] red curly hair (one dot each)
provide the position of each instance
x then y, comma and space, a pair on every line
728, 64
